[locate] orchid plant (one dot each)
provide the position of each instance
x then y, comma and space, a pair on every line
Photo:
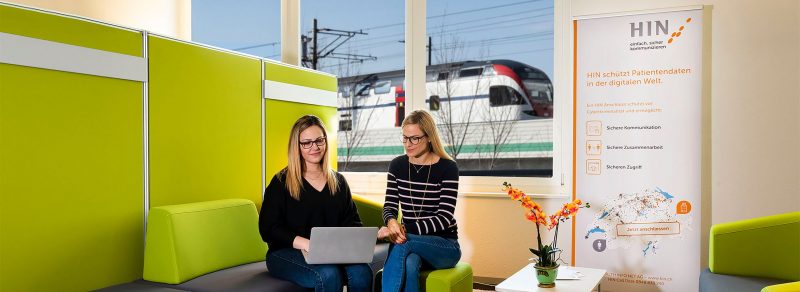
546, 253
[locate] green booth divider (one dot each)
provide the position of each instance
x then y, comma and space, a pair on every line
297, 76
71, 164
280, 115
204, 124
72, 31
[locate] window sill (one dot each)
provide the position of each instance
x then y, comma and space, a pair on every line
374, 183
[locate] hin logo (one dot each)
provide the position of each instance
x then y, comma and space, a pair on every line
661, 27
658, 27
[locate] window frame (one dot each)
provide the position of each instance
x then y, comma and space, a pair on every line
559, 185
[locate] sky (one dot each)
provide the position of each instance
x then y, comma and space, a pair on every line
520, 30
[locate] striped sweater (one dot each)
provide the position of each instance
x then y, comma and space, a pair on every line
427, 208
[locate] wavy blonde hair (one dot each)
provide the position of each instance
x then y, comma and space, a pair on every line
297, 165
425, 122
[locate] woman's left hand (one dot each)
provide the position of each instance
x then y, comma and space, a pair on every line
383, 232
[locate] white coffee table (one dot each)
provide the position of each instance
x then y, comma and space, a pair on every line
525, 281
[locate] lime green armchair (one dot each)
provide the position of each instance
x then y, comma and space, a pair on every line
759, 252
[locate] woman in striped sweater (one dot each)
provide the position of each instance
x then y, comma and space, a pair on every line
423, 185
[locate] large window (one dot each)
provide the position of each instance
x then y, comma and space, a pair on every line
488, 81
490, 84
248, 26
362, 43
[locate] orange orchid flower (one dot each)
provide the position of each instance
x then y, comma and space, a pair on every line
528, 203
547, 253
530, 215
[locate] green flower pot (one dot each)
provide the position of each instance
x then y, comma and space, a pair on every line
546, 276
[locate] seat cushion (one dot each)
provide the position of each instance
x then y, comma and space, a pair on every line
710, 282
247, 277
254, 277
139, 286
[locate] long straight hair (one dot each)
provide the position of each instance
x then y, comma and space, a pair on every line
297, 165
425, 122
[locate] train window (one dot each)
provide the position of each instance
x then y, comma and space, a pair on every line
345, 125
443, 76
362, 89
539, 95
470, 72
430, 76
433, 103
531, 74
504, 95
383, 87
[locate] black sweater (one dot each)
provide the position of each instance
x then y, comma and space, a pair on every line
428, 207
282, 217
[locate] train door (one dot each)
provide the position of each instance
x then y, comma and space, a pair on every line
400, 106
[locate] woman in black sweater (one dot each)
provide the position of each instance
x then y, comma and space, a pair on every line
424, 185
306, 194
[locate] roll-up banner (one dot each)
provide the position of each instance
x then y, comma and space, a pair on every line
638, 94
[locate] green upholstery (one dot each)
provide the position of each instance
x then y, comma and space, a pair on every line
189, 240
371, 212
787, 287
767, 247
457, 279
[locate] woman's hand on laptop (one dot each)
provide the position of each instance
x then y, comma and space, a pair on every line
397, 233
301, 243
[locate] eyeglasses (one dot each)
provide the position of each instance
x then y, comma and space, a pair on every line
413, 139
307, 144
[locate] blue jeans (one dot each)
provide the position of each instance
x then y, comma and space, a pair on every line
289, 264
401, 271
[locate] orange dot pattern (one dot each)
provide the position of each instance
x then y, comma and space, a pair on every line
677, 34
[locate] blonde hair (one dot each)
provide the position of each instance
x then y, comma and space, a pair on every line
425, 122
297, 166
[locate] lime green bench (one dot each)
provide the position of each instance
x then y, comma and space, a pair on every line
755, 254
216, 246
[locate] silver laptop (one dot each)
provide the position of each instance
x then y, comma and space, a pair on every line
341, 245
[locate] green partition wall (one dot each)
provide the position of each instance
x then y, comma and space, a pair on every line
281, 114
204, 124
71, 164
83, 156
